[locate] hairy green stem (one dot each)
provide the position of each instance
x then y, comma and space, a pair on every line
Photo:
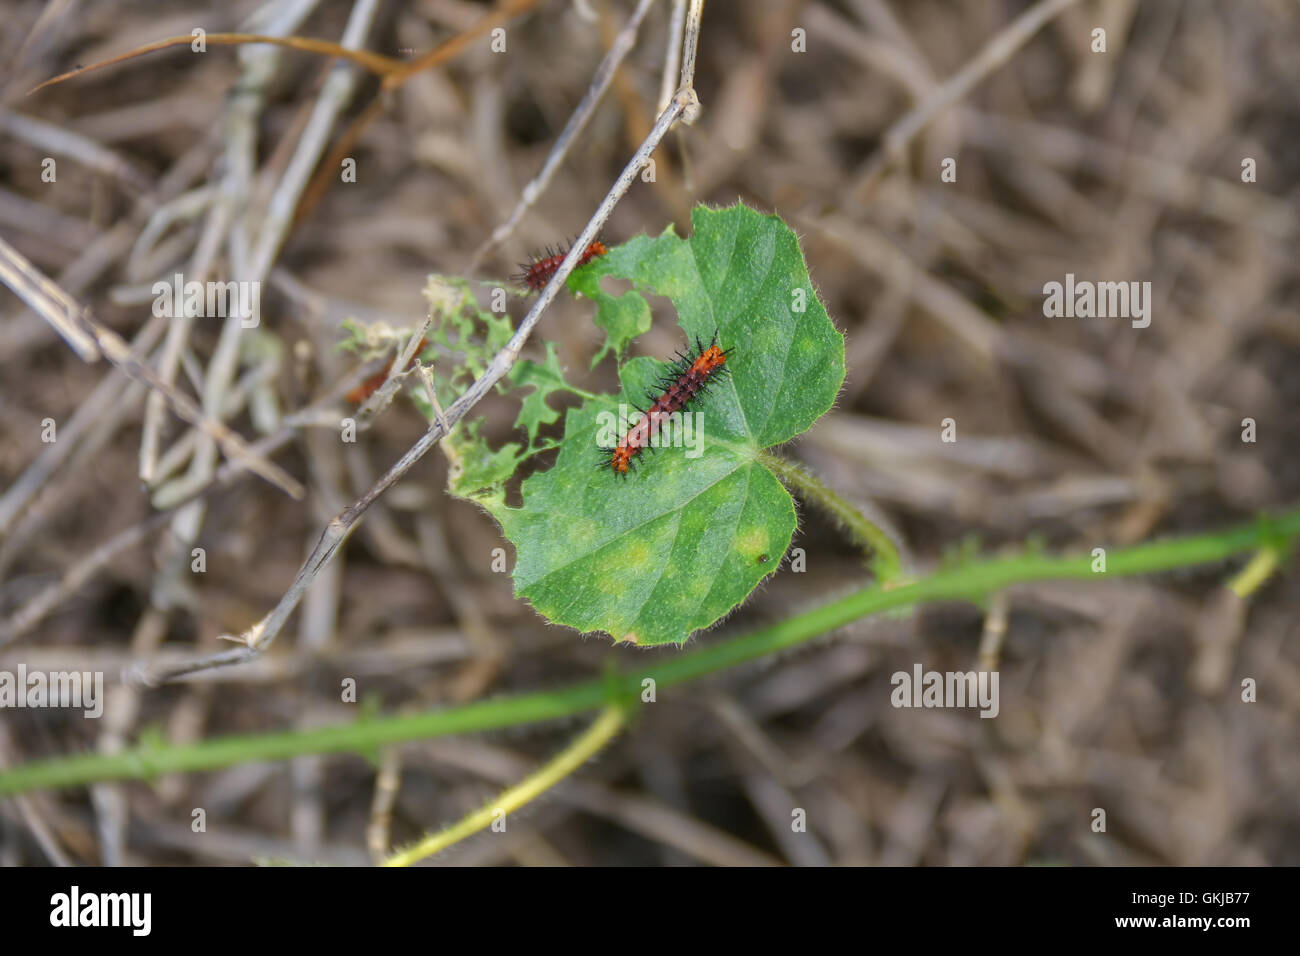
969, 582
865, 533
1259, 569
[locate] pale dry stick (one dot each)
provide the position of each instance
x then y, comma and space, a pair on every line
71, 319
16, 335
335, 95
837, 32
318, 621
184, 208
317, 414
489, 652
279, 18
50, 23
502, 13
189, 721
398, 371
47, 300
772, 803
1168, 182
38, 607
307, 810
387, 533
383, 533
155, 411
165, 115
26, 804
241, 151
878, 15
215, 230
387, 785
160, 259
994, 634
618, 51
219, 374
993, 55
690, 46
55, 230
174, 458
104, 396
260, 636
76, 477
426, 377
876, 253
672, 54
398, 651
87, 152
242, 396
255, 266
120, 712
240, 136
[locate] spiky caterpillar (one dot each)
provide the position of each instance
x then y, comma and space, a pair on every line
539, 272
682, 382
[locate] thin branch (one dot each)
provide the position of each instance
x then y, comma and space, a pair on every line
690, 44
334, 96
672, 54
993, 54
388, 784
257, 638
618, 51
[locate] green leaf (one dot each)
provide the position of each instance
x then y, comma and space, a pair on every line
546, 379
622, 317
678, 544
478, 473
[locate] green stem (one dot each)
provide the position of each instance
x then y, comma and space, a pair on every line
1256, 572
864, 532
599, 734
970, 582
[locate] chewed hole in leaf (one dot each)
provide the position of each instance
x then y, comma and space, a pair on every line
674, 546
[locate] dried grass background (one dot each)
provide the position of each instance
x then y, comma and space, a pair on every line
1120, 166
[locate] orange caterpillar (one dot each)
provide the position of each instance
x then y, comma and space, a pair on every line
685, 380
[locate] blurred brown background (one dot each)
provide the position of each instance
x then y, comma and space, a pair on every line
1117, 166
